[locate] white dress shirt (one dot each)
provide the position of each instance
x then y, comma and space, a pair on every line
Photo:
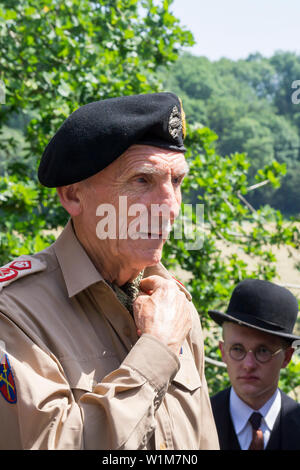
240, 414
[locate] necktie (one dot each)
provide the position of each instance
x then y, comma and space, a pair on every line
257, 442
128, 292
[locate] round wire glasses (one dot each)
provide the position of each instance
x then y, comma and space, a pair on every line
237, 352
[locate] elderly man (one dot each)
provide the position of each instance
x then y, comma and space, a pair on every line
258, 342
86, 362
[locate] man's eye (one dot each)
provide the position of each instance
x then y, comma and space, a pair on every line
237, 348
140, 179
263, 350
177, 180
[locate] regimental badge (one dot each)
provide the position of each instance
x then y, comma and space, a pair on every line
175, 123
7, 381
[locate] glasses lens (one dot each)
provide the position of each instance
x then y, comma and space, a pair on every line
263, 354
237, 352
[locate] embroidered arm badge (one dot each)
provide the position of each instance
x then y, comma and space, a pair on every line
7, 381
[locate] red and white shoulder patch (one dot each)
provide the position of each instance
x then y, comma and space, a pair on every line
21, 267
21, 264
6, 274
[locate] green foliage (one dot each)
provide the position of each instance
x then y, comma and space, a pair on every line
216, 375
248, 103
289, 377
57, 55
21, 218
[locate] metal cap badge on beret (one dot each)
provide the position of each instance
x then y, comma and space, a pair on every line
97, 133
263, 306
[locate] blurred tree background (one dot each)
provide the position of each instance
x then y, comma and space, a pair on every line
242, 130
248, 103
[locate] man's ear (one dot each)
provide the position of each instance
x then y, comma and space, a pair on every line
221, 347
287, 356
69, 197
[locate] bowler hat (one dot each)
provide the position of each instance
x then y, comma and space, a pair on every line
97, 133
261, 305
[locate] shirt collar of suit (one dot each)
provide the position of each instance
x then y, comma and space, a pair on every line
241, 412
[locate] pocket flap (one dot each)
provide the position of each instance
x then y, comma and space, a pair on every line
188, 376
85, 373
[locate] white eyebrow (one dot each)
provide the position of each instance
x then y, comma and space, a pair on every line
150, 170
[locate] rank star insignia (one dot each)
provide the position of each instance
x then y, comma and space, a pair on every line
7, 273
7, 382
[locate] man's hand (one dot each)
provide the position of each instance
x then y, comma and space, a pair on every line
162, 311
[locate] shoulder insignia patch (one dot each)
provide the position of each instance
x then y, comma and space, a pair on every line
6, 274
21, 267
7, 381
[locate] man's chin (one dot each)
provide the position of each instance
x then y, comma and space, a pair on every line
146, 258
249, 390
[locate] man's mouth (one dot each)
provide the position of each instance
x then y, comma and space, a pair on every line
159, 231
249, 378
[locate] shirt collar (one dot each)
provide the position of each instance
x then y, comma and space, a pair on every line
78, 270
271, 409
241, 412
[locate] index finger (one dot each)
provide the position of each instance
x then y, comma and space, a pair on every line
151, 283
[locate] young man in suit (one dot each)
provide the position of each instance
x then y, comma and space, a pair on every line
258, 341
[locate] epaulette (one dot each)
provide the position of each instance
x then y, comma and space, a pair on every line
20, 267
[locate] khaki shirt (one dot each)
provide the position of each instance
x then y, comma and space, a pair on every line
80, 375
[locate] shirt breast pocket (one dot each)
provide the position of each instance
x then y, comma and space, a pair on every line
84, 373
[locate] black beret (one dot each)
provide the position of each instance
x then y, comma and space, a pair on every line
97, 133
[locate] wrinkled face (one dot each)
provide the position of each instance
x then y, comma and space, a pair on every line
120, 204
252, 380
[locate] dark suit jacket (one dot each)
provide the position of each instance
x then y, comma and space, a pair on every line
284, 436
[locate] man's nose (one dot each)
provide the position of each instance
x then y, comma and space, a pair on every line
170, 198
249, 361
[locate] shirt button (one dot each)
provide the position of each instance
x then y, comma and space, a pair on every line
104, 353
